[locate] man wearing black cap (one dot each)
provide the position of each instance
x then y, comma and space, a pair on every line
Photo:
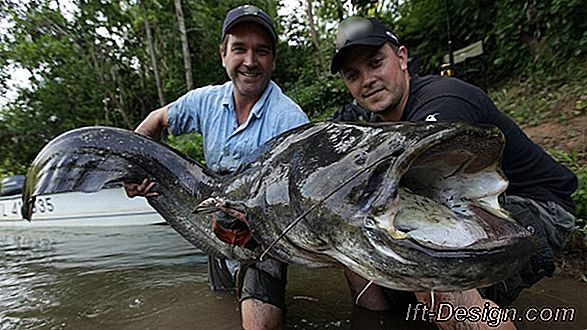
235, 119
374, 66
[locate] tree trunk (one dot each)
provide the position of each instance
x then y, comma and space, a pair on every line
152, 52
315, 39
120, 104
187, 62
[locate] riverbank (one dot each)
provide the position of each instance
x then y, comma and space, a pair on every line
551, 107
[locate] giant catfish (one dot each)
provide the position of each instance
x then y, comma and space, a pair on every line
410, 206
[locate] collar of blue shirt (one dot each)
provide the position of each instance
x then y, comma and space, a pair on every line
258, 108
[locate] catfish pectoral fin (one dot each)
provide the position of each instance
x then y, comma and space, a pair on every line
209, 205
214, 204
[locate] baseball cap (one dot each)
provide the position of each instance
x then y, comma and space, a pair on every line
248, 13
359, 31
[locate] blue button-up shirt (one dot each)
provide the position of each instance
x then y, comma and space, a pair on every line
210, 112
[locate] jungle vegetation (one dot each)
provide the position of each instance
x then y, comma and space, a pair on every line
110, 62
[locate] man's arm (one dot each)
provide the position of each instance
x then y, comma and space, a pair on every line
152, 126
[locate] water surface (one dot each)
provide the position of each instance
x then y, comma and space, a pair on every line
148, 277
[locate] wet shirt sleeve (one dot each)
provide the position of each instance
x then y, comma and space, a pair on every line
184, 115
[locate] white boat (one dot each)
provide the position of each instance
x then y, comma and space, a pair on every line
107, 207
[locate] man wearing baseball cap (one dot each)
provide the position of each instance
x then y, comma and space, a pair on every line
373, 64
235, 119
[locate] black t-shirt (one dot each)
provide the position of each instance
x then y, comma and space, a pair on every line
530, 170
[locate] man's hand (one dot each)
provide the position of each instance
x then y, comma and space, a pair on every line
142, 189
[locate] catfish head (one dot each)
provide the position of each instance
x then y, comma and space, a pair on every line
410, 206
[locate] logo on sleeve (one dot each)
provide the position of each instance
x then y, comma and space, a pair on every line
432, 117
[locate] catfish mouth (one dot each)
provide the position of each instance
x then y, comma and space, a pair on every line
448, 194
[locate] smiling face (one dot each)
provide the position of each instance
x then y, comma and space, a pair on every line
378, 78
248, 57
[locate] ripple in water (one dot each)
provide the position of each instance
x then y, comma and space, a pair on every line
58, 278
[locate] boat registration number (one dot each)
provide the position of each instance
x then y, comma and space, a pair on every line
12, 208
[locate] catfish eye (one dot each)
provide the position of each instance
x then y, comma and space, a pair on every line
360, 158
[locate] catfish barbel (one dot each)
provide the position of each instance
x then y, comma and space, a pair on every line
409, 206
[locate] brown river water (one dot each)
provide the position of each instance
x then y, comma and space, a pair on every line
148, 277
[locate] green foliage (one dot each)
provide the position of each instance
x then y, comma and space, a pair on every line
92, 66
321, 98
515, 33
537, 94
544, 34
9, 169
188, 144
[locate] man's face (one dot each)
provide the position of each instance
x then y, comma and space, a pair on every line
248, 58
377, 78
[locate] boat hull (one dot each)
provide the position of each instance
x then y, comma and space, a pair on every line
106, 207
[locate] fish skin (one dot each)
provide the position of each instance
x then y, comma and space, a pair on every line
87, 158
344, 179
348, 172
